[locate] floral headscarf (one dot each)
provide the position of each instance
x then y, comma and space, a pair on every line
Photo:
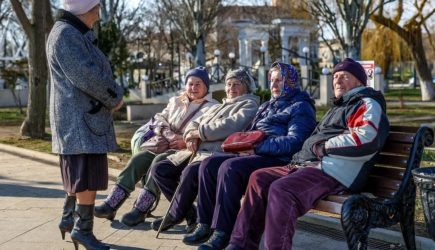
289, 75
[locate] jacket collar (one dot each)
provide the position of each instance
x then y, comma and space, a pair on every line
184, 98
347, 96
71, 19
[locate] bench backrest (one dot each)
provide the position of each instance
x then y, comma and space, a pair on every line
391, 174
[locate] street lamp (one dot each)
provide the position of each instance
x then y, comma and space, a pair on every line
263, 50
139, 60
232, 57
306, 50
189, 58
217, 53
325, 71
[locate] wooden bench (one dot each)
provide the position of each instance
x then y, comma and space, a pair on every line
392, 187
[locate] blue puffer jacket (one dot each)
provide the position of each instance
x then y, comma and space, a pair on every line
287, 121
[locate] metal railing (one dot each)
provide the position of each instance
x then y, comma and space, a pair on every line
164, 86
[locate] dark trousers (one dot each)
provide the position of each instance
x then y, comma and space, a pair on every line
274, 199
137, 169
222, 182
168, 176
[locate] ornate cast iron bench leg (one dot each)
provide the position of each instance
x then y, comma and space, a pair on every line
354, 220
407, 217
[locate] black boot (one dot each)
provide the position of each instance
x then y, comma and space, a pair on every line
141, 208
169, 222
83, 226
67, 222
191, 220
201, 234
218, 240
114, 201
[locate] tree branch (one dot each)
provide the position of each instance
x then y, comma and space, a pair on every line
22, 17
423, 19
404, 34
429, 36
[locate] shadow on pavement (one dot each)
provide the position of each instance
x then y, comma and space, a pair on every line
17, 190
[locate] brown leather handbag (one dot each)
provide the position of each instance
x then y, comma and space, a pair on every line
243, 141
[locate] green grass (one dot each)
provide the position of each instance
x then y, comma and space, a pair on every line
405, 94
11, 116
34, 144
410, 111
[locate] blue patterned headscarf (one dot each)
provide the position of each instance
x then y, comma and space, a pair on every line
289, 75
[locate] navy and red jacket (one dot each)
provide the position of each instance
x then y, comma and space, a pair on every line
349, 137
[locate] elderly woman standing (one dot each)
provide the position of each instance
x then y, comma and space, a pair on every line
82, 98
287, 119
204, 136
171, 123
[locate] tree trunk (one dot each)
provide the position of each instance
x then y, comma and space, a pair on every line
34, 124
411, 33
423, 71
36, 30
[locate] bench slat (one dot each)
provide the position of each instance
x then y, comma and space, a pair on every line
385, 193
381, 182
400, 137
398, 148
404, 129
392, 173
328, 206
337, 198
393, 160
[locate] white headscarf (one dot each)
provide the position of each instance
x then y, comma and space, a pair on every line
79, 7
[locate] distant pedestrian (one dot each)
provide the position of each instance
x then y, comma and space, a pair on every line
82, 98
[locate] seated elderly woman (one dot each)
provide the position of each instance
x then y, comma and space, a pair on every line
287, 120
204, 136
191, 104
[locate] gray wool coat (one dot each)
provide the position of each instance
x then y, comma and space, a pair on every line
82, 90
217, 124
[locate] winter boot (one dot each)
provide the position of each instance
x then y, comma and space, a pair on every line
67, 222
140, 209
114, 201
191, 220
82, 232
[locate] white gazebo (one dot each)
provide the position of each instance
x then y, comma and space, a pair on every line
295, 36
249, 31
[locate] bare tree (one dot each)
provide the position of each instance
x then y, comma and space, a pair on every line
193, 24
4, 11
411, 30
36, 28
392, 46
346, 20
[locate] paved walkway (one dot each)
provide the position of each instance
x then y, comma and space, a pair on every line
31, 198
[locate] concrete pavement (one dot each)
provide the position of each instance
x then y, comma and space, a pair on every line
31, 198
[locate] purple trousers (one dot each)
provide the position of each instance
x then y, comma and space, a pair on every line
222, 182
274, 199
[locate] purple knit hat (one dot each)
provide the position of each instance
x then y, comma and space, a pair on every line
352, 67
